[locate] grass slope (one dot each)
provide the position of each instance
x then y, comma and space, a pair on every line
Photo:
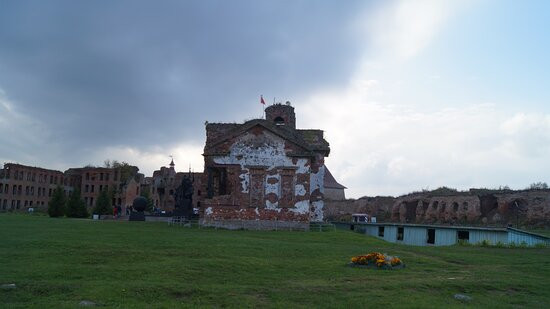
59, 262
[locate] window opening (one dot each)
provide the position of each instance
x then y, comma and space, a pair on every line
380, 231
431, 236
400, 232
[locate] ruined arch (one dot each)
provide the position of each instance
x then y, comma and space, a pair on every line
441, 211
410, 211
517, 211
489, 205
463, 213
455, 207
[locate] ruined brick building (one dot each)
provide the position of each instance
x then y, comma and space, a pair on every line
23, 187
164, 183
263, 171
123, 182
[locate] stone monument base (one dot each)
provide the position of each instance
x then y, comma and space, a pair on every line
137, 216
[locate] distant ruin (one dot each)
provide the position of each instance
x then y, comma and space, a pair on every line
473, 207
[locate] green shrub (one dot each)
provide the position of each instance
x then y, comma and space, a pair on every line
56, 206
103, 204
484, 243
76, 207
523, 244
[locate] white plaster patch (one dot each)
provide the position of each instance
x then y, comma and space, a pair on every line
317, 214
317, 180
302, 168
272, 188
208, 211
300, 190
301, 207
272, 206
245, 180
269, 152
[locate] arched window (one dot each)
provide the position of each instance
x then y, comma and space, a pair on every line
279, 120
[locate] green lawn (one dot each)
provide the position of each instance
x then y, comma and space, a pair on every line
57, 263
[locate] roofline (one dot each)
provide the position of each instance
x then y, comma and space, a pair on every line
250, 124
336, 187
30, 167
495, 229
529, 233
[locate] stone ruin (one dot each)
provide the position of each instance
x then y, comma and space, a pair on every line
474, 207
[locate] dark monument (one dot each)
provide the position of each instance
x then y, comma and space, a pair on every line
139, 205
184, 198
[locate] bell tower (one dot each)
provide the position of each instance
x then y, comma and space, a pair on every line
281, 114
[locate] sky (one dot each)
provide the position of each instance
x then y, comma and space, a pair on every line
411, 95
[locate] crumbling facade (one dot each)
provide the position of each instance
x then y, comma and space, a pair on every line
164, 184
23, 187
122, 182
263, 173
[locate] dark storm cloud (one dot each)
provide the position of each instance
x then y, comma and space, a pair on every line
107, 73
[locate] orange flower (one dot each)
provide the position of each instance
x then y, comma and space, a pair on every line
395, 261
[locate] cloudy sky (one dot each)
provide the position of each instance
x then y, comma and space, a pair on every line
411, 94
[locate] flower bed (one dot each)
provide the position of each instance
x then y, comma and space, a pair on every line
377, 260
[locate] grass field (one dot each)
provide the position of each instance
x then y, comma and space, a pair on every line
57, 263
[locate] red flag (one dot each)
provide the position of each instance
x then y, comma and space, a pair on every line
262, 100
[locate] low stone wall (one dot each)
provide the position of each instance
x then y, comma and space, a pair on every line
158, 219
256, 225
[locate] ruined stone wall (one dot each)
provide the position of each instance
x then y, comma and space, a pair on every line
341, 210
264, 181
527, 208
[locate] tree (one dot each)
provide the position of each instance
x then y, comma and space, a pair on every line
103, 204
150, 204
76, 207
56, 206
539, 186
126, 170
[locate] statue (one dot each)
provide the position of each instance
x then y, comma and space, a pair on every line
139, 205
184, 198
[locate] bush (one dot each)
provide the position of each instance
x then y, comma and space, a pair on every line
56, 206
523, 244
76, 207
538, 186
150, 205
484, 243
103, 204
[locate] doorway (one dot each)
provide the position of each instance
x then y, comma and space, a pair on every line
431, 236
